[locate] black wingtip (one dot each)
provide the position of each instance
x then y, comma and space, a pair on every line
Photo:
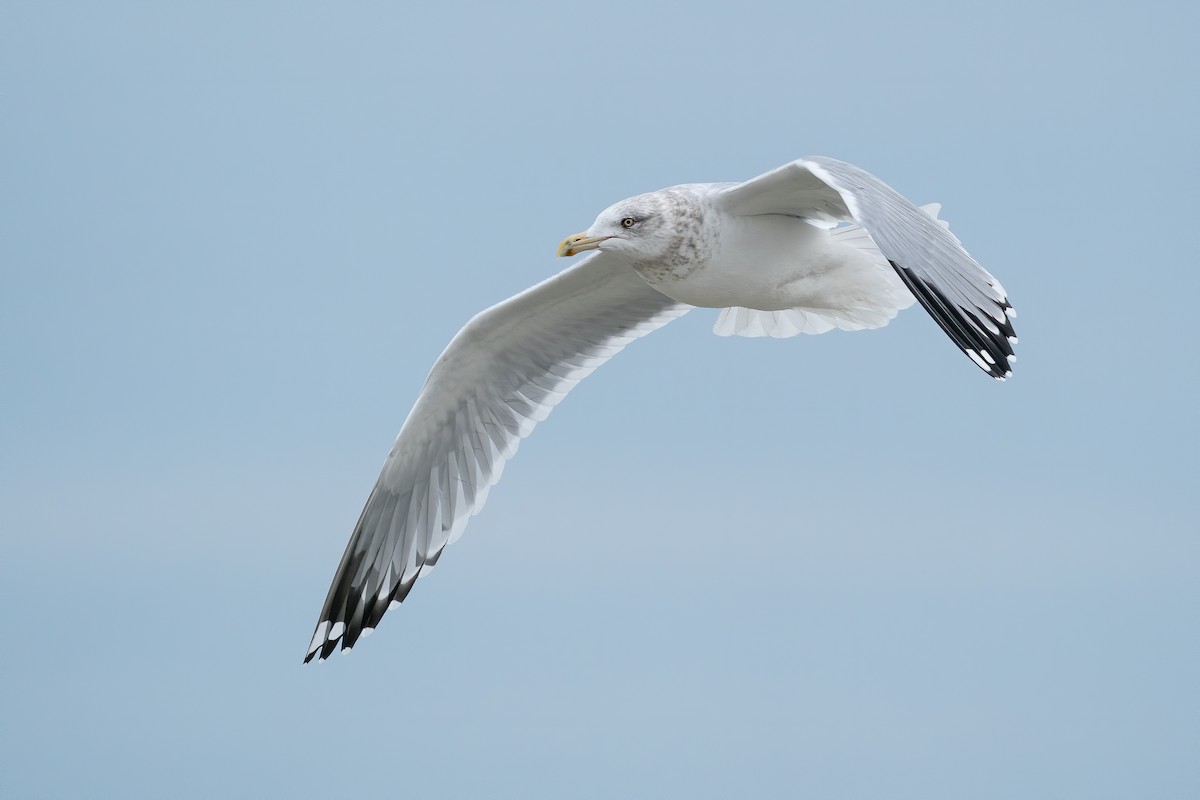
986, 341
355, 619
318, 640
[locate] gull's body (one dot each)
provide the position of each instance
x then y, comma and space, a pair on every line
773, 262
770, 252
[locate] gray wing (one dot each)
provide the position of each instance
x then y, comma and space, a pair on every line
963, 298
499, 376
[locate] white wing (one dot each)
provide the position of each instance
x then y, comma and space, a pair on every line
963, 298
500, 376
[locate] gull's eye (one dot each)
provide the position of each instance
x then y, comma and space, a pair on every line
628, 222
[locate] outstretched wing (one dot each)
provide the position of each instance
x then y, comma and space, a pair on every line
500, 376
963, 298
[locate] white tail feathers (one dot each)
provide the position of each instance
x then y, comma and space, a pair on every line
789, 322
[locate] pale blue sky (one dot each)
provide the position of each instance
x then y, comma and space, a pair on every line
233, 238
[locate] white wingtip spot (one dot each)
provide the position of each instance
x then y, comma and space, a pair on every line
367, 632
987, 357
1012, 339
1012, 312
336, 631
975, 357
1012, 359
393, 604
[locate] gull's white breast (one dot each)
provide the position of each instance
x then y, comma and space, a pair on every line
773, 262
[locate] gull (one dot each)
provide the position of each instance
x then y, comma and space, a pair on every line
814, 245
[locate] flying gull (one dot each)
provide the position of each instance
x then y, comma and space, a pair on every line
814, 245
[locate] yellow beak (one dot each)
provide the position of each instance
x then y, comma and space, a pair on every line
578, 242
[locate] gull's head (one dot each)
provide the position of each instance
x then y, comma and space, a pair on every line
647, 227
